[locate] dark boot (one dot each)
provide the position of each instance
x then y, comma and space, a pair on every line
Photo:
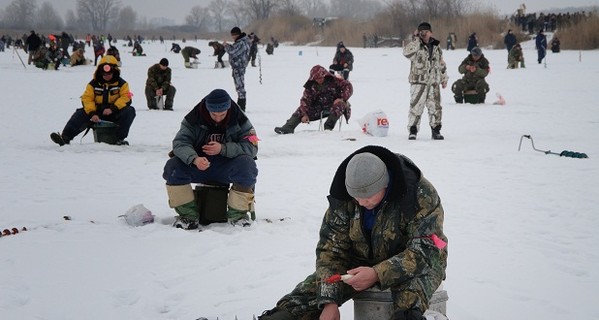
482, 97
413, 132
437, 133
289, 126
331, 121
459, 98
222, 64
241, 103
59, 139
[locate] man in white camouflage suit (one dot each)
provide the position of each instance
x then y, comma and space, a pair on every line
427, 73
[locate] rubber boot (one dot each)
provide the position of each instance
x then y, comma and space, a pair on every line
241, 103
437, 133
181, 198
222, 64
331, 121
240, 203
289, 126
459, 98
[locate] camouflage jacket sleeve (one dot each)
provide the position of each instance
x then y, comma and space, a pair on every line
333, 250
421, 266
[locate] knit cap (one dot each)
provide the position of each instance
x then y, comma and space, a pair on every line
476, 51
424, 26
164, 62
365, 175
235, 31
218, 101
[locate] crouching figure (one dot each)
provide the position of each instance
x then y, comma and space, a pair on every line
472, 86
324, 96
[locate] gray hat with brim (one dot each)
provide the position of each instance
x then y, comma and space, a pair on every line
365, 175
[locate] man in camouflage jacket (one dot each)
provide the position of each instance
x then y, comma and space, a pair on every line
158, 85
384, 226
239, 53
427, 73
475, 67
324, 96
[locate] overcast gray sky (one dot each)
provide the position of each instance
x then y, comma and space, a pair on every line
178, 9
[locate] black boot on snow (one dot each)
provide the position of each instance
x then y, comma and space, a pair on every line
58, 139
437, 133
413, 132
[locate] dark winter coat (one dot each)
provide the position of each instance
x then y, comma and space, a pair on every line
319, 97
197, 127
190, 52
482, 69
100, 94
472, 42
158, 78
219, 49
509, 41
341, 58
400, 246
33, 42
541, 41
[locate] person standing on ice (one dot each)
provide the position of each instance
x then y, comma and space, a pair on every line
239, 54
427, 72
384, 228
541, 44
215, 144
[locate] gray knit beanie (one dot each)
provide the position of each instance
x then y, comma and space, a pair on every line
365, 175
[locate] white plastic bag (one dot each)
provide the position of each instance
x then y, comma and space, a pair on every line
138, 215
375, 124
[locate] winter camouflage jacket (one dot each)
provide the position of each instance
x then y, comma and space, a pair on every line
400, 247
158, 78
319, 97
239, 52
427, 65
482, 69
197, 129
99, 94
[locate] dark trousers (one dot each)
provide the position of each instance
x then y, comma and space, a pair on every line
340, 68
80, 121
241, 170
169, 95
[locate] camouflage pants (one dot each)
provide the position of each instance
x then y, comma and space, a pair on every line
302, 302
429, 96
238, 79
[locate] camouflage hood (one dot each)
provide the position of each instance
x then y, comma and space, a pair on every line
317, 72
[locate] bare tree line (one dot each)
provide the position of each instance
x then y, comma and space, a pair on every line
219, 15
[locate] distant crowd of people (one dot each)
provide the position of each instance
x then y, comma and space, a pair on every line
548, 22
